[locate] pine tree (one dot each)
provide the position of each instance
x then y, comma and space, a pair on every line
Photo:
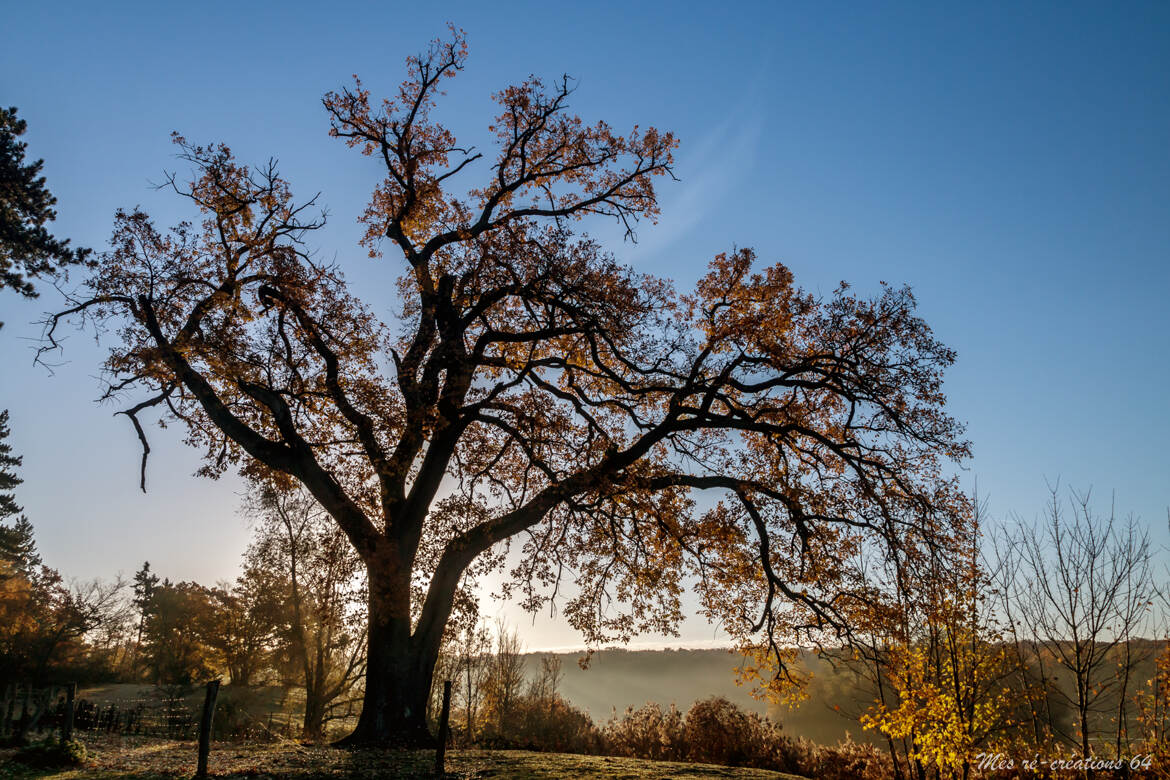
26, 205
145, 581
145, 584
8, 479
17, 547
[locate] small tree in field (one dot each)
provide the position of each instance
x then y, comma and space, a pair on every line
942, 692
504, 683
470, 668
534, 391
179, 620
242, 622
305, 565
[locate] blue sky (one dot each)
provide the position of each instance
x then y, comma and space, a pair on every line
1009, 161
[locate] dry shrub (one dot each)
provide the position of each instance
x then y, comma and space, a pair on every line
555, 725
546, 723
719, 732
716, 731
847, 760
646, 732
713, 731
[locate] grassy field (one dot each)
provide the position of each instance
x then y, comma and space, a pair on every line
146, 758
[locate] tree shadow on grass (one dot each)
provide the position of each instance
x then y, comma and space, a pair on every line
129, 758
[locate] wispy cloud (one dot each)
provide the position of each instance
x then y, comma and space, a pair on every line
709, 175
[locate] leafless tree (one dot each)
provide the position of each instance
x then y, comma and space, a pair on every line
473, 656
1083, 593
505, 678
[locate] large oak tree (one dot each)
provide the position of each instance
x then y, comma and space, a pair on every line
535, 395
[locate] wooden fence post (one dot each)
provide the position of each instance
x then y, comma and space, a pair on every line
205, 727
6, 713
40, 704
444, 716
67, 722
22, 729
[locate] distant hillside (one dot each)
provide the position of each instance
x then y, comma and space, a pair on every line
617, 679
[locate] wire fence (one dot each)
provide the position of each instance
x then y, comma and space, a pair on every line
173, 712
27, 711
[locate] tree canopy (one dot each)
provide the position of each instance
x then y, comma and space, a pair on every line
534, 394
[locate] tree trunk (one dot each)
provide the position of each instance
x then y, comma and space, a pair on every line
313, 726
398, 672
398, 687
